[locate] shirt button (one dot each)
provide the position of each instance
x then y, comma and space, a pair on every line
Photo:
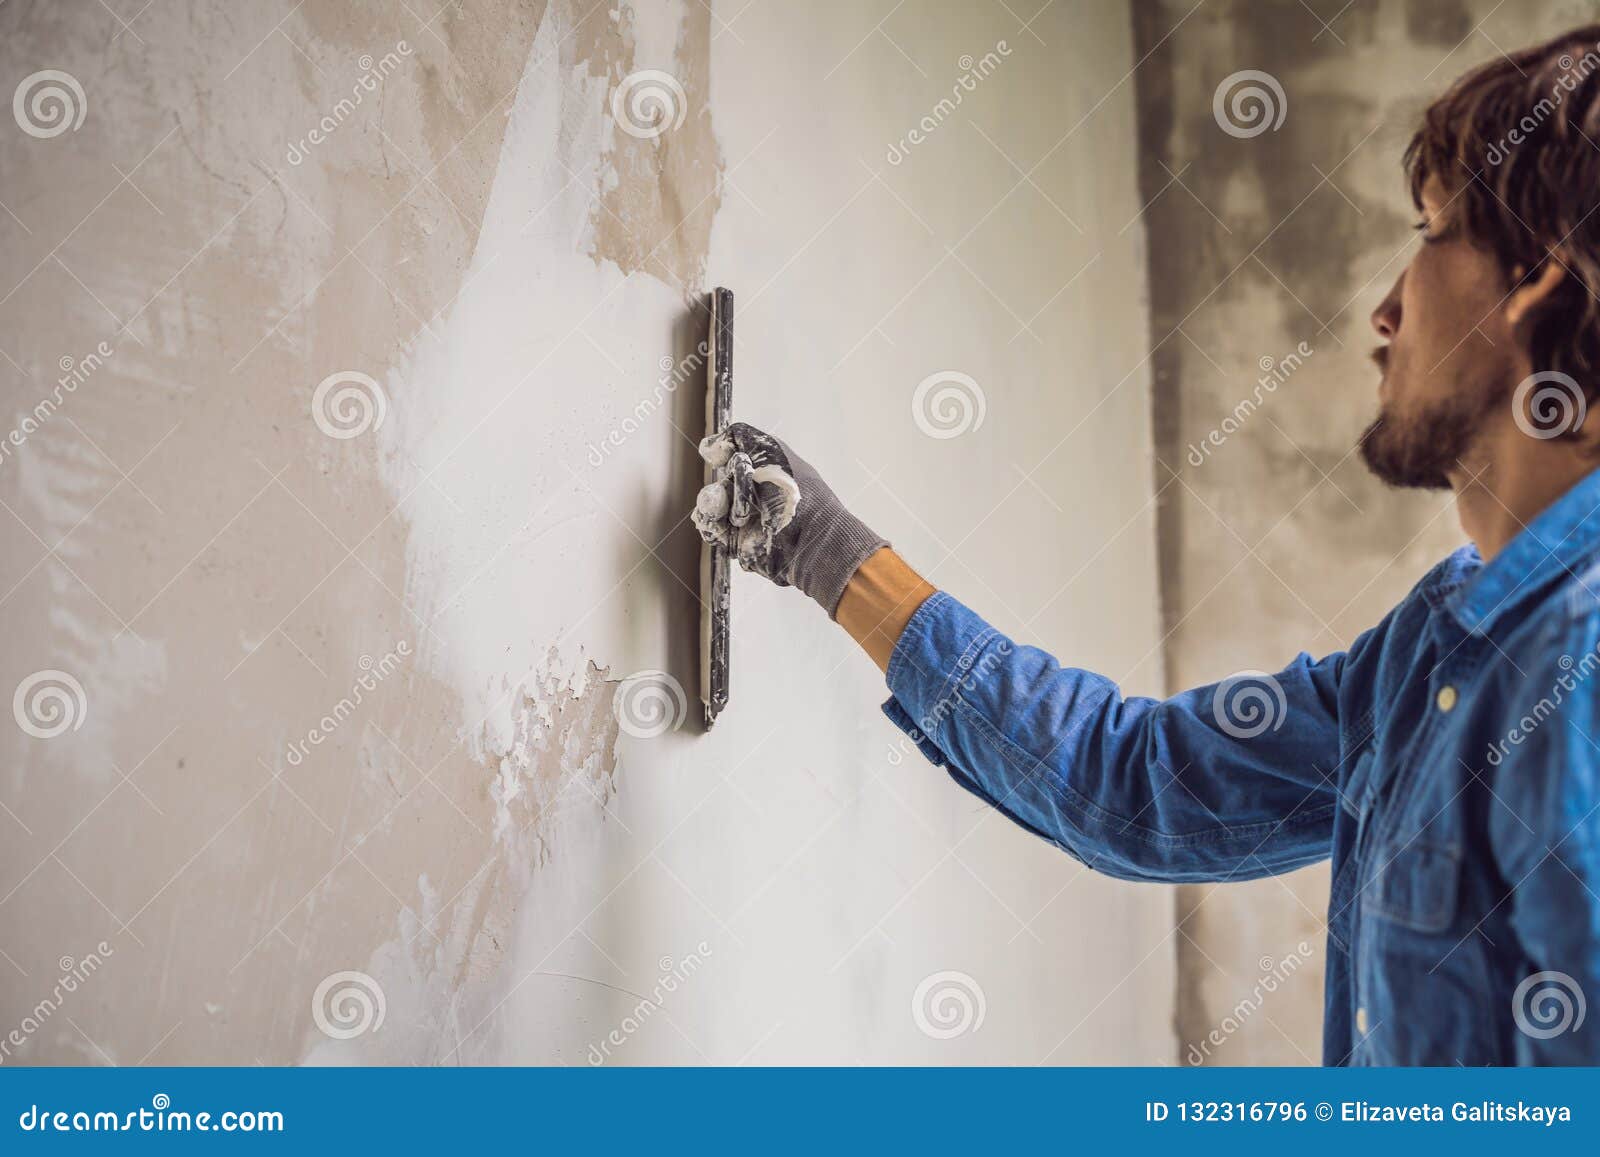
1361, 1021
1446, 699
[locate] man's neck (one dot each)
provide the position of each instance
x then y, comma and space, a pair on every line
1511, 479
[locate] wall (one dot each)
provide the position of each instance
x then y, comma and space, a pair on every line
1273, 537
355, 534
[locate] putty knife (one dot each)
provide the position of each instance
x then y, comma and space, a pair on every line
716, 566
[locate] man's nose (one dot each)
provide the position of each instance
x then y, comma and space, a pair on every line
1386, 318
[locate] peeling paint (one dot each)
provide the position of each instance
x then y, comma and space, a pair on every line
658, 195
564, 739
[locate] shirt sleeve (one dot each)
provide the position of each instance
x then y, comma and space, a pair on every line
1234, 780
1544, 828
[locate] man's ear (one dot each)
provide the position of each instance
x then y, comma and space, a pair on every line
1533, 291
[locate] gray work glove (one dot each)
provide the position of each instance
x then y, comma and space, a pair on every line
778, 517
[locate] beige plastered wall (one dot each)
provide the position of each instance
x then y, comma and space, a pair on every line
342, 664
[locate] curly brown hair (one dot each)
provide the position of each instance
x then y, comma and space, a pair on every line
1516, 143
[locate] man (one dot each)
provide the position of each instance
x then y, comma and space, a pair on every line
1449, 761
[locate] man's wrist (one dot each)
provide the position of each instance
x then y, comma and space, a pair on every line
830, 554
879, 601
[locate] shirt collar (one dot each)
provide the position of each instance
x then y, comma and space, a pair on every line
1558, 542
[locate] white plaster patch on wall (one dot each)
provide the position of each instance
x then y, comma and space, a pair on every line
523, 558
515, 542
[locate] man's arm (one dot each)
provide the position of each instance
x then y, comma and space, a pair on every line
1231, 781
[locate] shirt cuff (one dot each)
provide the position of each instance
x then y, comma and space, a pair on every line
933, 654
898, 716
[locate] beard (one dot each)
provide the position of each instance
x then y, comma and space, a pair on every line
1418, 450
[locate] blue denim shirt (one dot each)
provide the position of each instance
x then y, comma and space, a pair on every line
1448, 762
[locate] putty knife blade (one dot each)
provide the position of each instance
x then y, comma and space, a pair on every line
716, 574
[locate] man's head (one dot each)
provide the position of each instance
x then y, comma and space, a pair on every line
1505, 175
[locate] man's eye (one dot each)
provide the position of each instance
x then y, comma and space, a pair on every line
1427, 238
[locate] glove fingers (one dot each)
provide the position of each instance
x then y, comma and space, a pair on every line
716, 449
743, 438
742, 500
752, 546
778, 495
710, 515
763, 448
720, 534
752, 502
711, 503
